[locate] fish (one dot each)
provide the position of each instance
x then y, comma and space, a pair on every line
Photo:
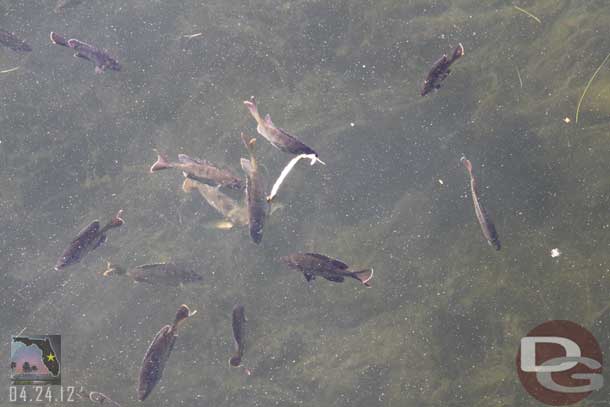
278, 137
440, 70
170, 274
88, 239
200, 170
239, 335
64, 4
158, 352
11, 41
487, 225
100, 58
255, 193
314, 264
231, 210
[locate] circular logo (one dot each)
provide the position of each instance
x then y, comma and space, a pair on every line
559, 363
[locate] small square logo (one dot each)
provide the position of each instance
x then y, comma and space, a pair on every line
36, 359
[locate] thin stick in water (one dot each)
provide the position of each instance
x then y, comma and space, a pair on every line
519, 76
286, 171
589, 84
528, 13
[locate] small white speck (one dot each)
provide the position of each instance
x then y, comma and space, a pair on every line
555, 253
440, 181
351, 124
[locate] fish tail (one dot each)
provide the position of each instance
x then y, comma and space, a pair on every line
235, 360
251, 105
467, 164
250, 144
458, 52
364, 276
181, 315
58, 39
161, 164
117, 220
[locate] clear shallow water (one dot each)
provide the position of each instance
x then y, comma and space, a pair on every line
443, 320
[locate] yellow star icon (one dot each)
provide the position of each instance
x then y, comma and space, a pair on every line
50, 357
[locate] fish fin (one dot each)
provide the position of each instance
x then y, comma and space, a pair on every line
466, 163
83, 56
188, 185
364, 276
458, 52
335, 279
117, 220
269, 122
162, 163
309, 277
182, 314
246, 165
185, 159
58, 39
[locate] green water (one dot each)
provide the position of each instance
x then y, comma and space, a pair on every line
441, 325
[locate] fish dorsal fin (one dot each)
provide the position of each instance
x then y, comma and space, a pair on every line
336, 263
246, 165
185, 159
268, 121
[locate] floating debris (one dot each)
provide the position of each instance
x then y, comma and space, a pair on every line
11, 41
158, 352
100, 58
587, 87
519, 76
567, 120
487, 225
170, 274
528, 13
10, 70
286, 171
278, 137
200, 170
87, 240
440, 70
555, 253
189, 36
96, 397
255, 193
313, 264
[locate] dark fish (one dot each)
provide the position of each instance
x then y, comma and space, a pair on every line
440, 70
200, 170
87, 240
158, 273
487, 225
239, 335
158, 352
225, 205
11, 41
255, 193
313, 264
279, 138
100, 58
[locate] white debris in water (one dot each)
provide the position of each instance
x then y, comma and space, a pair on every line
352, 124
555, 252
440, 181
567, 119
